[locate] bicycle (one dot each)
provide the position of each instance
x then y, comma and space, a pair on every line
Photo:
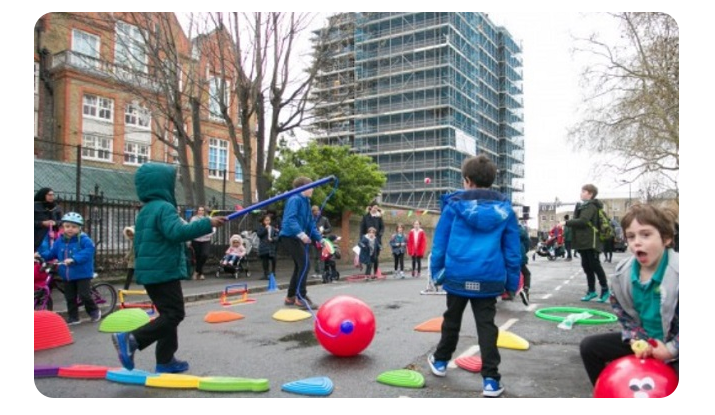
103, 294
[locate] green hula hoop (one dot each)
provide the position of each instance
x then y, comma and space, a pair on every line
544, 313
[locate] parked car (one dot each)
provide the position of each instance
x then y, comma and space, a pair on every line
620, 244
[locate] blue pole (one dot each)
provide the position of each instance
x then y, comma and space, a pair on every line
274, 199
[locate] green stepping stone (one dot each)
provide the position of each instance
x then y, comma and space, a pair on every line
232, 384
126, 319
402, 377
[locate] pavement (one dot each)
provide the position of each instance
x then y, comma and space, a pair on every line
211, 287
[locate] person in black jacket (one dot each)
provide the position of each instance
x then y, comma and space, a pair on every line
323, 225
373, 219
268, 237
47, 214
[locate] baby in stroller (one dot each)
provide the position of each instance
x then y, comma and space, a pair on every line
233, 260
329, 253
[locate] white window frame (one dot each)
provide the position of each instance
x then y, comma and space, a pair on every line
95, 147
85, 44
218, 158
214, 104
136, 154
129, 48
37, 78
100, 108
238, 174
137, 115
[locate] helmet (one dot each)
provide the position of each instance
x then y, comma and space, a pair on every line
73, 217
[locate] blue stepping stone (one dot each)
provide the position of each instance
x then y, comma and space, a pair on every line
317, 386
134, 377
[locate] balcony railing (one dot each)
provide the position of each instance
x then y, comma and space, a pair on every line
100, 68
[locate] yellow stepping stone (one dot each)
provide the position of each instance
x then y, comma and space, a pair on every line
291, 315
176, 381
510, 340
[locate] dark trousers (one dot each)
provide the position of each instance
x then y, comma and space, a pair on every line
527, 276
269, 265
608, 249
298, 251
599, 350
315, 257
399, 261
567, 246
371, 267
130, 277
201, 254
80, 288
416, 264
592, 267
484, 310
168, 299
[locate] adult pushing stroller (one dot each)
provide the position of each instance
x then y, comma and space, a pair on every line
550, 249
235, 263
329, 253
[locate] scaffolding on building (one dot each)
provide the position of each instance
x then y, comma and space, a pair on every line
419, 93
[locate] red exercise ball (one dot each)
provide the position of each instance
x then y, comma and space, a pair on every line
630, 377
344, 326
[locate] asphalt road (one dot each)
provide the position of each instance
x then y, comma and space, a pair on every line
259, 346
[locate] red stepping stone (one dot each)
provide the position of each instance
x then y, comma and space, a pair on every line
470, 363
51, 330
84, 372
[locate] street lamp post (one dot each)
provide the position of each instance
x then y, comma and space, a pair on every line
629, 191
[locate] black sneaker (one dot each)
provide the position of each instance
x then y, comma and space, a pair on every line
524, 294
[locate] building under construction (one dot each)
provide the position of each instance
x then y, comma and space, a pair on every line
419, 93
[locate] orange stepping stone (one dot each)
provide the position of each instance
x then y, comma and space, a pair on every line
222, 316
434, 325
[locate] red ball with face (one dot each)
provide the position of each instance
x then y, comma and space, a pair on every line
630, 377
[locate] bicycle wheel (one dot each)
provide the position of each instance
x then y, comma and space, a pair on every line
105, 296
43, 301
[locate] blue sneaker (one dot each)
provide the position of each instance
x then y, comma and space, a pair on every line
174, 366
126, 345
438, 367
492, 388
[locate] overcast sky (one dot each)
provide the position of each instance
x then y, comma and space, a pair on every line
551, 96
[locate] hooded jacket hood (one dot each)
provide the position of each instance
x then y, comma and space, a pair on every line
483, 210
235, 238
156, 181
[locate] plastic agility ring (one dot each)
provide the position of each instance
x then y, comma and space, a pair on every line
547, 314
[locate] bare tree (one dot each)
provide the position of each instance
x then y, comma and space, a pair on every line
631, 110
153, 62
271, 89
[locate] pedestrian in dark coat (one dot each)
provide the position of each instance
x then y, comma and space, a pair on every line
47, 215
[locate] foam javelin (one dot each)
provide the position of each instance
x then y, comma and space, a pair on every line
281, 196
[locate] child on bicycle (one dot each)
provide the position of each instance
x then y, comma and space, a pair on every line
74, 250
235, 252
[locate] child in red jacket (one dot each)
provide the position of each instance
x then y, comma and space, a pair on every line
416, 245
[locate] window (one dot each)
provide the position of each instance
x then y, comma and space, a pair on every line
85, 48
135, 153
215, 99
218, 157
97, 107
95, 147
239, 171
129, 52
37, 77
137, 115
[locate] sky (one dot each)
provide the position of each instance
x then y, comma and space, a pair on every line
553, 169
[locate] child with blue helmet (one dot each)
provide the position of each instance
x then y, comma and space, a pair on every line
74, 250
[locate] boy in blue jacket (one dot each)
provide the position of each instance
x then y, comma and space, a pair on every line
298, 230
476, 256
74, 250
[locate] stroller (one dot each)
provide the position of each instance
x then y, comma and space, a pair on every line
550, 249
329, 253
236, 267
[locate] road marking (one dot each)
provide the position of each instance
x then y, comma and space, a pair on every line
557, 288
546, 297
508, 324
532, 306
567, 281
